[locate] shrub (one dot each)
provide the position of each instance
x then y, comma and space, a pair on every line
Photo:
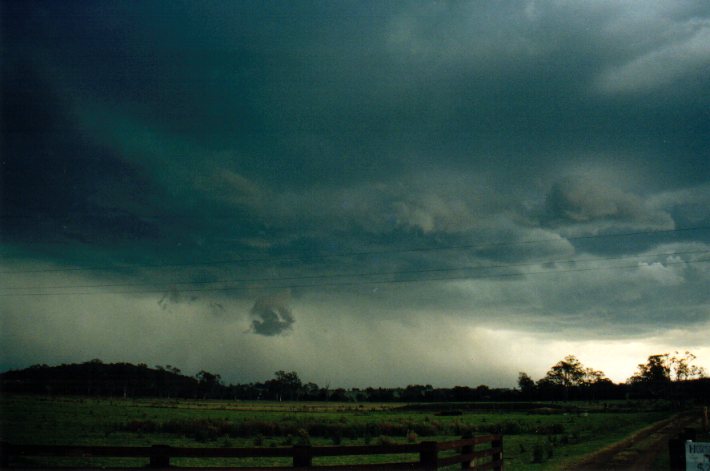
303, 437
384, 440
227, 443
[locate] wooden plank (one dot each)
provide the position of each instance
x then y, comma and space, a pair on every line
431, 448
181, 452
62, 450
449, 460
364, 450
143, 468
366, 467
343, 467
456, 444
143, 452
468, 442
230, 452
485, 453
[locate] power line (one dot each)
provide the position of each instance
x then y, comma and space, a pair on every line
355, 275
356, 254
354, 282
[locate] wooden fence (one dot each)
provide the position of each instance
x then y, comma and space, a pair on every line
432, 455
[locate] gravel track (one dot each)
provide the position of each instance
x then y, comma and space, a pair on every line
642, 449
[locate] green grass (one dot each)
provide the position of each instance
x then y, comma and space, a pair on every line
539, 438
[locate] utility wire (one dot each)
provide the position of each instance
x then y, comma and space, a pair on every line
358, 254
354, 275
352, 283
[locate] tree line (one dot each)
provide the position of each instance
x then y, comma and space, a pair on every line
662, 376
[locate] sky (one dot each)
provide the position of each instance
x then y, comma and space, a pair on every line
369, 193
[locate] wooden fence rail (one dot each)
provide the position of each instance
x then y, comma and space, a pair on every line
432, 455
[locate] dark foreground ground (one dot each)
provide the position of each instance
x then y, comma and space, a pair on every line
645, 450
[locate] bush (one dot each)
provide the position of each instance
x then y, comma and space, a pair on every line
303, 437
384, 440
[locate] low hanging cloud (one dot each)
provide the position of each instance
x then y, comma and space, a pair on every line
431, 213
575, 200
272, 315
173, 297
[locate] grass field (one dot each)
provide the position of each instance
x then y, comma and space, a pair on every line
536, 436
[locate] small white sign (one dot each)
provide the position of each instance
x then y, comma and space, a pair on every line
697, 456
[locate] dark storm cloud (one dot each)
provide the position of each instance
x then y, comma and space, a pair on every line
257, 124
310, 142
56, 185
577, 200
272, 315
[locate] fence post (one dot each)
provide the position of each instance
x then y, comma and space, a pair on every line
159, 456
302, 456
676, 451
429, 455
498, 443
465, 450
4, 455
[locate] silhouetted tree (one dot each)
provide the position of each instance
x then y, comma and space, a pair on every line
526, 385
284, 386
570, 376
209, 383
566, 373
655, 377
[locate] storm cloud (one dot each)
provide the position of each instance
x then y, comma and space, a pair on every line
576, 200
427, 180
272, 315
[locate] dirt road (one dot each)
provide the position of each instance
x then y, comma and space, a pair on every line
643, 450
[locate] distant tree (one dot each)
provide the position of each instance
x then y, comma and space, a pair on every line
655, 377
525, 382
463, 393
483, 392
379, 394
526, 385
656, 370
592, 376
208, 383
566, 373
284, 386
682, 368
416, 392
172, 369
570, 376
205, 377
310, 391
339, 395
